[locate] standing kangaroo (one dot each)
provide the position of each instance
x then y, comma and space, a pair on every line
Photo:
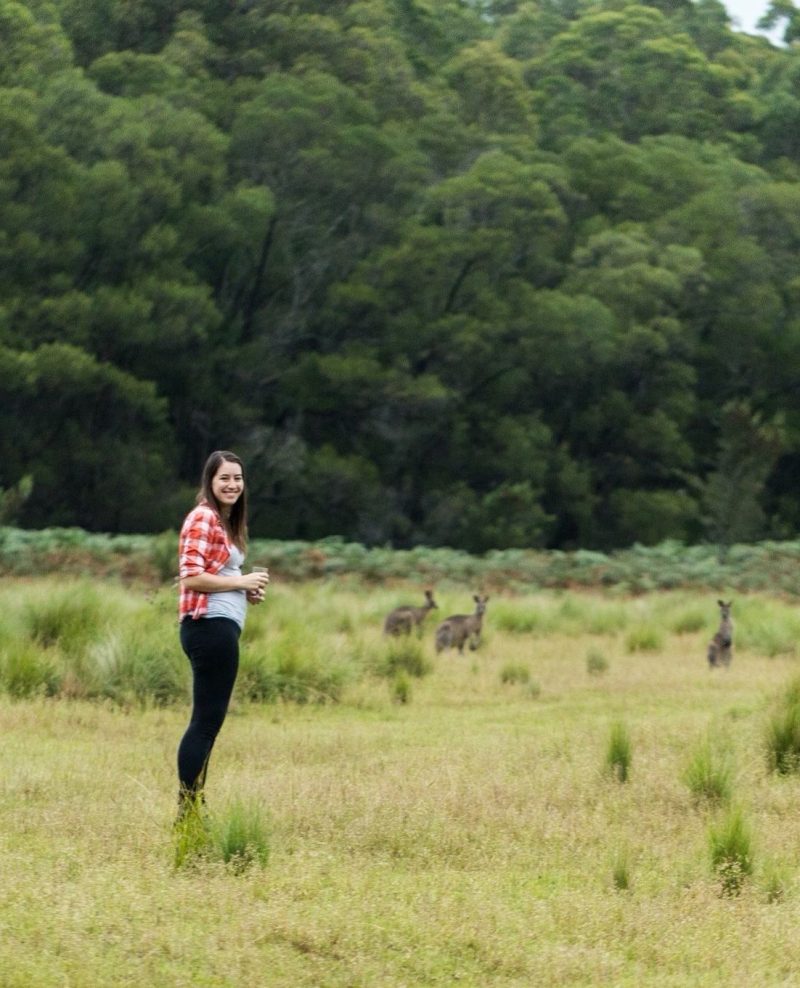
720, 648
455, 630
403, 619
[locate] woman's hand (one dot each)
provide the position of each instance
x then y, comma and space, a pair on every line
254, 582
257, 594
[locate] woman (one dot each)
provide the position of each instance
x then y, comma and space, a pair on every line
213, 602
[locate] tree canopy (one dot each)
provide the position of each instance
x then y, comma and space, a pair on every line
469, 273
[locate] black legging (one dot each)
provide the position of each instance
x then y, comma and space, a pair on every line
212, 645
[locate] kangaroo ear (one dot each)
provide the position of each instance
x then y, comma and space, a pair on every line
721, 603
476, 598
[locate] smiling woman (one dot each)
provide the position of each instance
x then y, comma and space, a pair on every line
212, 609
227, 484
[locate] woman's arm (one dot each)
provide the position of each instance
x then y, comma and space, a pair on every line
212, 583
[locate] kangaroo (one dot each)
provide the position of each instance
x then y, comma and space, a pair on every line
455, 630
403, 619
720, 648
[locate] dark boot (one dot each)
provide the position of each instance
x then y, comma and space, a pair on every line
191, 803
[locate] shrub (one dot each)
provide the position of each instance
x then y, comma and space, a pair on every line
731, 845
645, 638
604, 619
514, 672
522, 618
689, 621
619, 753
596, 662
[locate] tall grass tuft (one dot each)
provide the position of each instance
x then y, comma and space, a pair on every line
404, 654
621, 869
768, 628
709, 775
192, 838
401, 688
604, 618
776, 881
644, 638
289, 667
68, 618
731, 844
241, 837
26, 670
515, 672
596, 662
524, 617
619, 752
139, 664
534, 690
783, 733
689, 620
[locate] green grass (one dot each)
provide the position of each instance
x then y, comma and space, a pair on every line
596, 662
26, 670
783, 732
731, 844
619, 752
241, 837
621, 869
515, 672
69, 617
462, 835
405, 654
645, 638
709, 774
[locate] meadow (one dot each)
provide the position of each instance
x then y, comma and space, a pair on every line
580, 801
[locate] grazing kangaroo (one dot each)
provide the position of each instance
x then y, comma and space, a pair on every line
453, 632
720, 648
402, 620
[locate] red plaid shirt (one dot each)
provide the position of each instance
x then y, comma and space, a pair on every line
203, 548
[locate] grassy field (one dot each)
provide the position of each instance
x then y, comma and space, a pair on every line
464, 826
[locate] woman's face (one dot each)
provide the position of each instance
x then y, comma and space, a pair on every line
227, 484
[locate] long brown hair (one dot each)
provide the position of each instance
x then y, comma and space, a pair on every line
236, 523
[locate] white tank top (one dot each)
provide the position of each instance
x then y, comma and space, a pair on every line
229, 603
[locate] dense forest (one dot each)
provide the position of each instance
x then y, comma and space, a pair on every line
478, 274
